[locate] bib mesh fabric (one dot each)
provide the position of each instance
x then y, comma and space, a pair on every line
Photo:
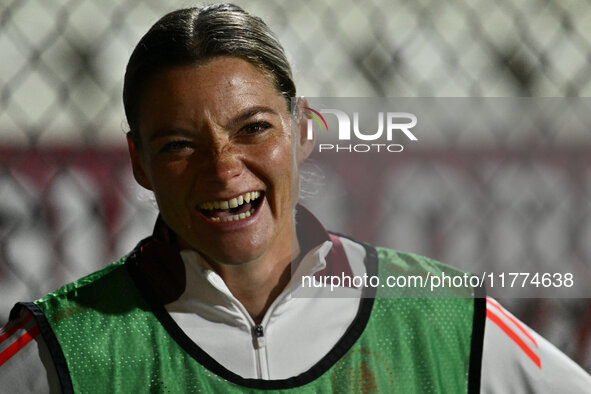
112, 342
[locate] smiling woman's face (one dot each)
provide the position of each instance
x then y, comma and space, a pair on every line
217, 153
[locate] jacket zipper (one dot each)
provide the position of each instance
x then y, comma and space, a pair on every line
258, 335
258, 332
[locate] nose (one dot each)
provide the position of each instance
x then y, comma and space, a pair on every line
223, 165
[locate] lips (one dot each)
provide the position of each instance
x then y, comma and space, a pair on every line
234, 209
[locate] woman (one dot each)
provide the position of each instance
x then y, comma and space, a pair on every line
209, 302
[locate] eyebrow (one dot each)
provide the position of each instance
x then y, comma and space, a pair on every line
165, 132
237, 120
250, 112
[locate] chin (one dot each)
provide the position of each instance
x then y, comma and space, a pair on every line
240, 252
229, 258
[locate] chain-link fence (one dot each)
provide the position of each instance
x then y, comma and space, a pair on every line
68, 203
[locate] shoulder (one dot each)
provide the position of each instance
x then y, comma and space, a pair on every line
101, 277
28, 342
25, 363
413, 275
411, 262
101, 290
391, 259
517, 359
406, 284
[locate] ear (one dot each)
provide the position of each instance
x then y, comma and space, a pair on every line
137, 164
305, 145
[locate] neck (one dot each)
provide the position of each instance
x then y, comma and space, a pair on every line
256, 284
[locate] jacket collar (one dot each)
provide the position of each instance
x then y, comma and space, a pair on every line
159, 261
312, 233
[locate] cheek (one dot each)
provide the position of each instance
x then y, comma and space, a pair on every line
279, 160
281, 167
170, 180
169, 171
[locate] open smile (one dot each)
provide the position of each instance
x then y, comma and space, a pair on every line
234, 209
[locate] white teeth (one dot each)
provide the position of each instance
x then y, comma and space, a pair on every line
232, 203
231, 218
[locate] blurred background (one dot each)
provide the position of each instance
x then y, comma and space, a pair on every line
69, 205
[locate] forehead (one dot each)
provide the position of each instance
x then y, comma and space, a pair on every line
220, 86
